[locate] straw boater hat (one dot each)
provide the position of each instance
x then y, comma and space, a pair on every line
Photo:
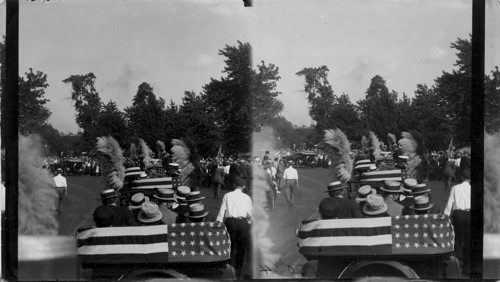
136, 201
165, 195
59, 169
143, 175
420, 189
408, 184
109, 193
391, 187
194, 197
149, 213
372, 167
374, 205
182, 192
421, 203
333, 186
173, 165
364, 191
196, 210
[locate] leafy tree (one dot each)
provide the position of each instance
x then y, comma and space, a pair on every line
404, 121
87, 105
244, 100
198, 124
378, 108
146, 115
345, 116
32, 111
111, 121
430, 118
492, 102
319, 94
454, 90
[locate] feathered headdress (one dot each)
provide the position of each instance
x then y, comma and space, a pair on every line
181, 155
111, 161
375, 146
145, 153
338, 149
392, 140
160, 147
37, 197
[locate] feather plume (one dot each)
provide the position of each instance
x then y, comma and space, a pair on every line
145, 153
408, 144
339, 150
392, 140
111, 160
37, 197
181, 155
160, 147
375, 146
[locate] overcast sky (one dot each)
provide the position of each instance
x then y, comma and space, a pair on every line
173, 45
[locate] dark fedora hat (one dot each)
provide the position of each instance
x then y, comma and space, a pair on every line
391, 187
194, 196
333, 186
108, 193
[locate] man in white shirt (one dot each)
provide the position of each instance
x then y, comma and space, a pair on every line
236, 208
458, 207
291, 178
61, 187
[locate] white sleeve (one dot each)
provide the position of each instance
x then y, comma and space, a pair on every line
222, 210
451, 201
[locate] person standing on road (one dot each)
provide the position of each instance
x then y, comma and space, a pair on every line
61, 187
458, 208
291, 178
280, 170
236, 208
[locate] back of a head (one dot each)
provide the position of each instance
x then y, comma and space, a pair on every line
329, 208
103, 216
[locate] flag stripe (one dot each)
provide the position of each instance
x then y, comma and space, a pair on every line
345, 250
123, 231
159, 186
125, 258
347, 241
362, 162
132, 169
344, 232
121, 240
123, 249
347, 223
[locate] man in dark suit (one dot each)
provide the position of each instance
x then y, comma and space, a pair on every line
121, 216
347, 208
181, 208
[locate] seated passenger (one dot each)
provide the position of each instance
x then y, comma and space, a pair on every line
363, 192
150, 214
197, 213
348, 208
166, 199
375, 206
422, 205
407, 198
329, 208
181, 208
391, 192
121, 215
103, 216
135, 203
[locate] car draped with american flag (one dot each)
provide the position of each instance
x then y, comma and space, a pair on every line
416, 246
